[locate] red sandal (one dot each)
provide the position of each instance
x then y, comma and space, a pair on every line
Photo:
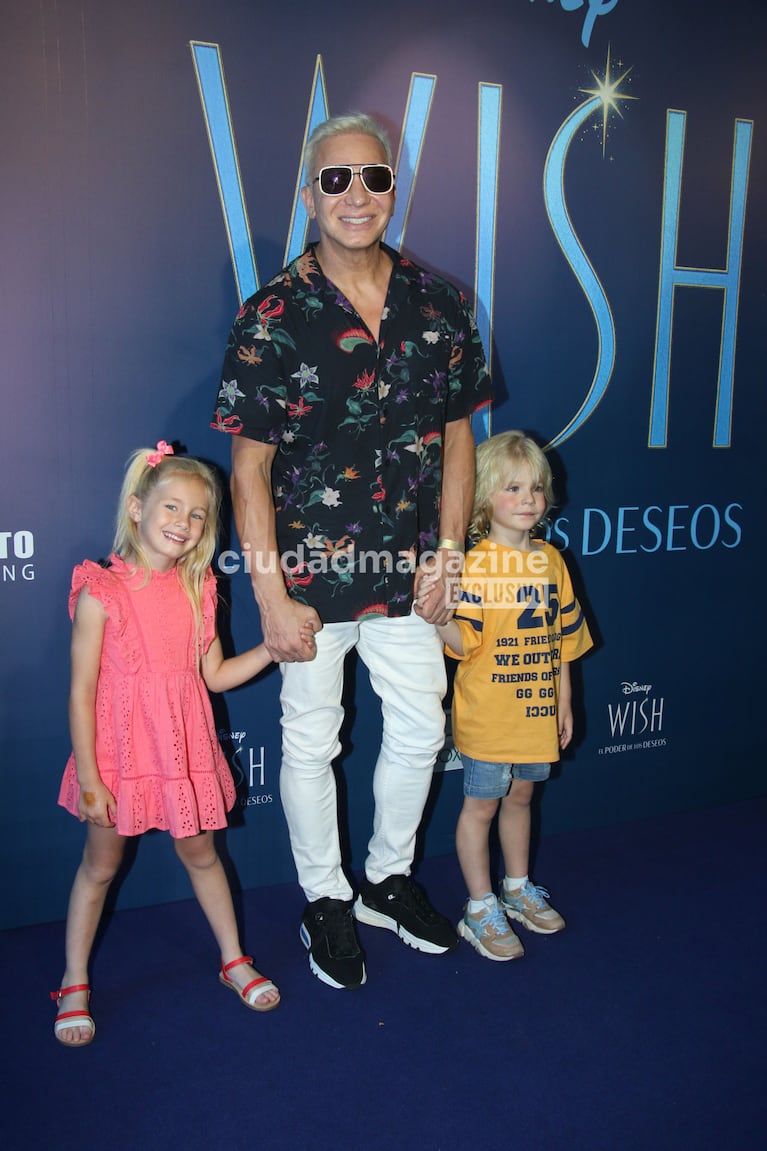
251, 991
67, 1019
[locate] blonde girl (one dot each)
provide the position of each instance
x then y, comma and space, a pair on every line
144, 653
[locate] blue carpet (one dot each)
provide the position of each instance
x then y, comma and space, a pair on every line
639, 1028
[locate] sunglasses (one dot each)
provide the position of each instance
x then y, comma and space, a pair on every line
378, 179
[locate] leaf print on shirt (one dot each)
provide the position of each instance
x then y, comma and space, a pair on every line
351, 339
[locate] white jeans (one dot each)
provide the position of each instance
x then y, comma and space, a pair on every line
407, 671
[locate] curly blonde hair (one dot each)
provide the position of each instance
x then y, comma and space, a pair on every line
496, 461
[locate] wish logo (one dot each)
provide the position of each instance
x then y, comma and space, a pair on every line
635, 721
248, 766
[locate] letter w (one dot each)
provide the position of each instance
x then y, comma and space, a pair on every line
218, 121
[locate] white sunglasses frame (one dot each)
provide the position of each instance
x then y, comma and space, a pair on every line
358, 171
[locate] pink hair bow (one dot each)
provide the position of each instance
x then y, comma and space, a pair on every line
163, 449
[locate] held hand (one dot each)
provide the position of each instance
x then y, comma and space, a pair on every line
289, 631
97, 805
436, 587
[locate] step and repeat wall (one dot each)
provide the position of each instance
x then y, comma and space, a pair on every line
590, 172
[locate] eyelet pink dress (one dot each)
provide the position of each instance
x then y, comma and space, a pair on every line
156, 744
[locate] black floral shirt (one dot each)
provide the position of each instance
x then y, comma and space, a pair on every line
358, 425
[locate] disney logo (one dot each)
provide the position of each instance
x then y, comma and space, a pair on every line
635, 688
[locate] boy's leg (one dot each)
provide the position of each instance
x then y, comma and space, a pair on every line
514, 827
472, 842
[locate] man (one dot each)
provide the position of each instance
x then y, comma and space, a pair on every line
348, 384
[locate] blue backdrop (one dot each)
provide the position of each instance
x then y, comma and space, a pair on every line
591, 172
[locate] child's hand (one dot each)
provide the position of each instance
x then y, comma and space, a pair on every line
97, 805
307, 638
565, 718
425, 584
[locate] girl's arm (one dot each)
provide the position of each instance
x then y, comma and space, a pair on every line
564, 706
97, 804
222, 674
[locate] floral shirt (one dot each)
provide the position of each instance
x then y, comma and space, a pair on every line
358, 425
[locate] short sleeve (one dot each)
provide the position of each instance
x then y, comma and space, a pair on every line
252, 395
469, 385
102, 584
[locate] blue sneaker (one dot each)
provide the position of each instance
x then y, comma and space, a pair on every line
527, 904
489, 932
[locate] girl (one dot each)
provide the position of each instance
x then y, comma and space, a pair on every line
516, 628
145, 752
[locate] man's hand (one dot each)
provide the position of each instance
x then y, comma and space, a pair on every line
289, 630
436, 586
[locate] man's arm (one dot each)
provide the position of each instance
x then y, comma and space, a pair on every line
282, 618
436, 603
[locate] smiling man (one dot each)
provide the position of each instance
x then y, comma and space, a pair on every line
348, 385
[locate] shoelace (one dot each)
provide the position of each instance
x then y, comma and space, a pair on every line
340, 931
536, 895
411, 896
497, 920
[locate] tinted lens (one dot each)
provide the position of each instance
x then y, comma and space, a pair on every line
335, 181
377, 178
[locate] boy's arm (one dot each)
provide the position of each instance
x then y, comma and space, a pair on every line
450, 633
564, 706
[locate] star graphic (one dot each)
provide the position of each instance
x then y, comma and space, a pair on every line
608, 91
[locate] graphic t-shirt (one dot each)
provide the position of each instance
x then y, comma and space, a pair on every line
519, 622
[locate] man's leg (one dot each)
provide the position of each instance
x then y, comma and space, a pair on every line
311, 719
407, 671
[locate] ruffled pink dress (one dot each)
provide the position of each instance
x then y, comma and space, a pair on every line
156, 744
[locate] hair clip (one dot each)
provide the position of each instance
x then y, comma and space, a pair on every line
163, 449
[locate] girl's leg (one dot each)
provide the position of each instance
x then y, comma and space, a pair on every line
102, 856
211, 887
514, 827
472, 842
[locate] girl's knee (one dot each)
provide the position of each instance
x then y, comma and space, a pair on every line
196, 850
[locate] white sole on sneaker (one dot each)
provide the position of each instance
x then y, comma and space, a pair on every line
466, 933
364, 914
323, 975
520, 918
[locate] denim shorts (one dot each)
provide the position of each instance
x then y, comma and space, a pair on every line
484, 780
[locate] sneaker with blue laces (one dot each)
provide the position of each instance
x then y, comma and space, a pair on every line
489, 932
527, 904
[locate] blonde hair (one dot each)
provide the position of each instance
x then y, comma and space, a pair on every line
496, 460
140, 481
354, 123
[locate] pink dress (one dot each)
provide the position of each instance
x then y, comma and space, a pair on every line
156, 744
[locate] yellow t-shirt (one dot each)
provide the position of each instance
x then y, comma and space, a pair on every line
519, 622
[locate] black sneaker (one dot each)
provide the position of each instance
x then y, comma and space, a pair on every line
327, 932
399, 905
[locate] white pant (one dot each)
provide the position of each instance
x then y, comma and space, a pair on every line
407, 671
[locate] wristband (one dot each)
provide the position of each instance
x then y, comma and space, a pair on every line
450, 545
